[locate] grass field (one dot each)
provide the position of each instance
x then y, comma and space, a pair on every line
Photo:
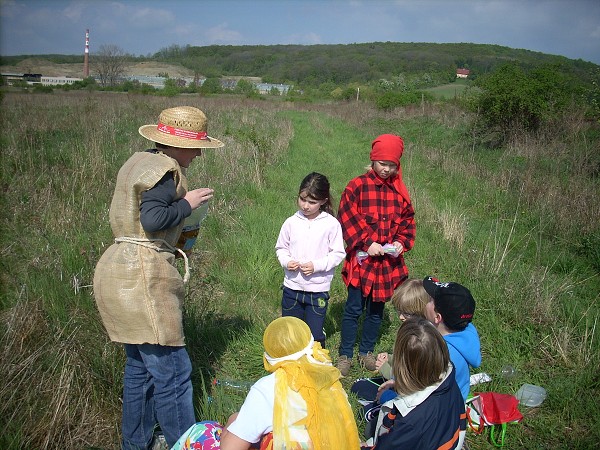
450, 90
519, 226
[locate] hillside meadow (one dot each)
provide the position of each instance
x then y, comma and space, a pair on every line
450, 90
518, 225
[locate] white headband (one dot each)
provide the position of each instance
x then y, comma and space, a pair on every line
295, 356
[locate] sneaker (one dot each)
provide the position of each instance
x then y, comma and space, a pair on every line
160, 443
344, 364
368, 362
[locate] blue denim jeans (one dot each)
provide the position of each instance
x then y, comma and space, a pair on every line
311, 307
157, 388
356, 304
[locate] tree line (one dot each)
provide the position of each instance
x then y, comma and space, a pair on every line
355, 63
515, 85
341, 64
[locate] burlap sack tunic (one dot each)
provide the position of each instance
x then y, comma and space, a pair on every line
138, 290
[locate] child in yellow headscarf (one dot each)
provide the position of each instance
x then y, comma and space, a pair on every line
300, 404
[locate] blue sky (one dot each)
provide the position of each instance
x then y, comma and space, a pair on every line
561, 27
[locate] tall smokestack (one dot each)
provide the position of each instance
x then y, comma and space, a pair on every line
86, 55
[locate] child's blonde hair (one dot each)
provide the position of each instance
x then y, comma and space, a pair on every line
411, 298
420, 356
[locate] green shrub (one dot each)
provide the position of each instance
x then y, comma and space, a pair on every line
43, 89
211, 86
246, 88
171, 89
512, 98
391, 100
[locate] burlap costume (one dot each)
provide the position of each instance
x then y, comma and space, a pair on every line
138, 290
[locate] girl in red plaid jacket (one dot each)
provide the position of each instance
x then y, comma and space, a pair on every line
377, 220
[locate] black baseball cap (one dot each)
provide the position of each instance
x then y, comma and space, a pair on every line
452, 300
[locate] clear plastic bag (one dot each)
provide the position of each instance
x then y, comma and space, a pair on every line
191, 228
389, 249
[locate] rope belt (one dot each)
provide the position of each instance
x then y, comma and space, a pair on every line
150, 243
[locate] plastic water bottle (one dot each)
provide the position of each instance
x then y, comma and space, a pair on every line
233, 384
508, 371
191, 227
389, 249
361, 256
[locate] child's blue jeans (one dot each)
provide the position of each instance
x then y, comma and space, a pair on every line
157, 387
308, 306
356, 304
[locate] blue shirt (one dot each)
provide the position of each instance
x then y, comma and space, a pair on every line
465, 350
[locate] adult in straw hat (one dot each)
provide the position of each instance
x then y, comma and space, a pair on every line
138, 289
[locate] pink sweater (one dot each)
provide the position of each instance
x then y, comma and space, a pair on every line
319, 240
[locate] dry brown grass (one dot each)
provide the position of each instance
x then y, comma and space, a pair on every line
561, 167
45, 376
454, 227
75, 70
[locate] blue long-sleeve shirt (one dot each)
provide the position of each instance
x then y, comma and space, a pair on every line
465, 350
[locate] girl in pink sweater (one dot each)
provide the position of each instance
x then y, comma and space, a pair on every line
309, 247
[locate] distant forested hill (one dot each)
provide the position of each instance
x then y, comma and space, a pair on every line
343, 64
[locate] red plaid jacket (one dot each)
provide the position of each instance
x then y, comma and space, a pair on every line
373, 210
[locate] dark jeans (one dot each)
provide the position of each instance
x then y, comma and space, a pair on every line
356, 304
157, 387
308, 306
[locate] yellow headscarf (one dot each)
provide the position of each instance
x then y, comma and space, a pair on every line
300, 364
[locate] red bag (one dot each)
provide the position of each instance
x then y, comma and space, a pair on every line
491, 409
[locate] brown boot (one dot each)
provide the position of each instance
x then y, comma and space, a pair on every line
344, 363
368, 362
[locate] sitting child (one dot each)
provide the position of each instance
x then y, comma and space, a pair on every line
451, 311
450, 307
409, 300
300, 404
428, 411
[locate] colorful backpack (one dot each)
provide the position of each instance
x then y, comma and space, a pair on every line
204, 435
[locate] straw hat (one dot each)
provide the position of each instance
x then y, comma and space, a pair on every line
183, 127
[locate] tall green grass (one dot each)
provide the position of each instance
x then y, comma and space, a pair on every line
518, 226
450, 90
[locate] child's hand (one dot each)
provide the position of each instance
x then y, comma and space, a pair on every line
376, 249
398, 246
382, 358
293, 265
307, 268
386, 385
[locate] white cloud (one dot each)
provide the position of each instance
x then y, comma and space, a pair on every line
310, 38
74, 11
9, 9
222, 34
154, 17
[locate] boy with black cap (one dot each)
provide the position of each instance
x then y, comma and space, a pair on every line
451, 311
450, 307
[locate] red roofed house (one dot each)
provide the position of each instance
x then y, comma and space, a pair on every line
462, 73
